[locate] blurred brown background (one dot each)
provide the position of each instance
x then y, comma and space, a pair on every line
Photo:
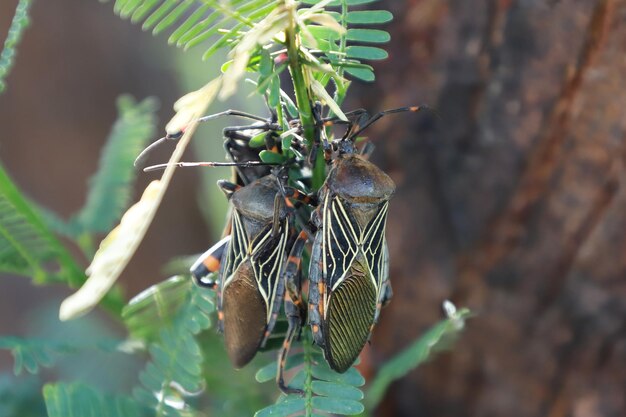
514, 205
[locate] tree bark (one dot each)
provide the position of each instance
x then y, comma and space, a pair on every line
517, 204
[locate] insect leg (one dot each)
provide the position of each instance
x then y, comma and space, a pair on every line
300, 197
228, 187
208, 264
294, 307
317, 291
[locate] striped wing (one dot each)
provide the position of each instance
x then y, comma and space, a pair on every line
375, 248
341, 241
236, 252
268, 260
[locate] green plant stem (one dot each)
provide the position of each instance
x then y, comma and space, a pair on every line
308, 389
343, 36
303, 101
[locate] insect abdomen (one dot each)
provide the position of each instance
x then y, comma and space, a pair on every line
244, 316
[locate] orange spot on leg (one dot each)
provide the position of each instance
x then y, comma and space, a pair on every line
212, 263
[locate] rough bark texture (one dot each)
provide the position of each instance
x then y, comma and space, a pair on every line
518, 201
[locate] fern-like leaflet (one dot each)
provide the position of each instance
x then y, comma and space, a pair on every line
327, 391
18, 24
175, 368
324, 389
345, 51
110, 189
219, 24
63, 400
196, 22
27, 245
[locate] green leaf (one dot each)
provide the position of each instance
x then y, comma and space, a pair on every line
337, 405
273, 98
333, 389
258, 141
126, 8
338, 2
18, 24
322, 33
364, 74
369, 17
284, 408
351, 377
55, 222
268, 372
155, 307
21, 396
214, 23
174, 371
366, 52
324, 389
368, 35
266, 65
202, 32
358, 2
30, 354
159, 14
437, 338
65, 400
271, 157
27, 245
110, 189
189, 24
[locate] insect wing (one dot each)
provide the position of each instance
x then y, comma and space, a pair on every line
268, 262
375, 248
236, 251
340, 243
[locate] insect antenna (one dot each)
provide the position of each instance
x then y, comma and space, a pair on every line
266, 123
141, 158
363, 123
244, 164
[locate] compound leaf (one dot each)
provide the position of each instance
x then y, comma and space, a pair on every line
110, 188
64, 400
437, 338
27, 246
18, 24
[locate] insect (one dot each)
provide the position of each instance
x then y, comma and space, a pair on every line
246, 267
349, 267
251, 276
